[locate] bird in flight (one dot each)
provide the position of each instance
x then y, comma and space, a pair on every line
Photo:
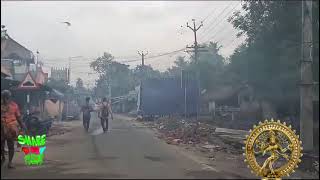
67, 23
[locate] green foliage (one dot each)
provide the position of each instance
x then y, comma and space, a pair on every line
122, 78
210, 65
269, 59
59, 85
101, 64
147, 72
180, 64
111, 72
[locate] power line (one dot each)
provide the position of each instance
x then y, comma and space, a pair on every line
222, 28
155, 56
214, 20
228, 44
211, 13
210, 25
214, 27
223, 37
86, 63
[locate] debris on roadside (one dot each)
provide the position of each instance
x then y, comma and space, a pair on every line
316, 166
177, 131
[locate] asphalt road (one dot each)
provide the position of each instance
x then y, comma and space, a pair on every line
128, 150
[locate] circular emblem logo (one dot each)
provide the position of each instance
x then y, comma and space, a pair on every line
272, 149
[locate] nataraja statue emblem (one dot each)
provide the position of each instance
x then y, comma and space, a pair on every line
34, 154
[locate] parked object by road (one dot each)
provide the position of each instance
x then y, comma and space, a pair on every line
35, 126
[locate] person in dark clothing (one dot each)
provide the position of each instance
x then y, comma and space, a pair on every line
86, 116
103, 114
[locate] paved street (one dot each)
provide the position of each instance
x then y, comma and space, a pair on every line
129, 150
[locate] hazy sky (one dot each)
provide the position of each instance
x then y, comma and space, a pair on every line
120, 28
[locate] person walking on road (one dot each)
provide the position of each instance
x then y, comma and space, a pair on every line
105, 111
86, 116
10, 121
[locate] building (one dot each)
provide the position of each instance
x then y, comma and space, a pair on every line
14, 56
5, 73
17, 60
59, 74
18, 69
234, 97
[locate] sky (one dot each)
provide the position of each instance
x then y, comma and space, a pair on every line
118, 27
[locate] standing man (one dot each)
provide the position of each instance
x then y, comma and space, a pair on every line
86, 116
103, 114
10, 120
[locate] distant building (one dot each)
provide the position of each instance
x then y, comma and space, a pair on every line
60, 74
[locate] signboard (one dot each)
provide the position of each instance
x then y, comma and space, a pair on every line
28, 83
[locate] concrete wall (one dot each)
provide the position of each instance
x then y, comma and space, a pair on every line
52, 108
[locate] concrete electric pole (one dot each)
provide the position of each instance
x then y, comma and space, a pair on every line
196, 49
306, 86
109, 82
142, 54
142, 58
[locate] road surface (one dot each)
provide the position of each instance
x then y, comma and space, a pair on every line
129, 150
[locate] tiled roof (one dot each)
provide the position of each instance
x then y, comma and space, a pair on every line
5, 71
9, 46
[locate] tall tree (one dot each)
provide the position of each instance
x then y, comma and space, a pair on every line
269, 59
112, 72
179, 64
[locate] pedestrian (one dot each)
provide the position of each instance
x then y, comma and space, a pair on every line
86, 116
10, 120
103, 114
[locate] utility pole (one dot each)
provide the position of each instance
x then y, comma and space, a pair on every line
69, 82
196, 49
184, 84
306, 86
142, 54
109, 81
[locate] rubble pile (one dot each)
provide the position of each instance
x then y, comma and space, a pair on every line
181, 131
202, 135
